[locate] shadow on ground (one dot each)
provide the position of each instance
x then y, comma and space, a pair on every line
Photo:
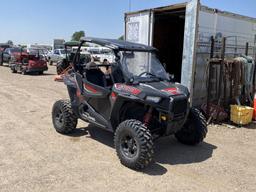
167, 150
44, 74
251, 126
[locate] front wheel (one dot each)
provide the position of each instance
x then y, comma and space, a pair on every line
63, 118
134, 144
195, 129
23, 71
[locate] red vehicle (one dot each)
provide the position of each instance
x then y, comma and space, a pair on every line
28, 63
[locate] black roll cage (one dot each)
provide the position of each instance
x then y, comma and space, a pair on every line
116, 46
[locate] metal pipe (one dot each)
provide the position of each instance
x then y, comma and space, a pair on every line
223, 49
246, 48
209, 87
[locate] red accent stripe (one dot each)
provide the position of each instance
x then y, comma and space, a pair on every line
88, 87
171, 90
113, 95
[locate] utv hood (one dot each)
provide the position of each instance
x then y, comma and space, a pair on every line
163, 89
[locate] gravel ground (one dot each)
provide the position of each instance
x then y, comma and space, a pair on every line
33, 157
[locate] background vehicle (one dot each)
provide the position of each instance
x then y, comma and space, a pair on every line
101, 53
69, 56
139, 105
58, 44
40, 51
28, 62
8, 54
107, 54
56, 55
3, 46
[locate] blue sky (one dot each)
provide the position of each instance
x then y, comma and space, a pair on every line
40, 21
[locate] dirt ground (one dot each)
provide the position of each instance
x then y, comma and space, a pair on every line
33, 157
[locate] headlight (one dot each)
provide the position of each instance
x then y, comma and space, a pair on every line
153, 99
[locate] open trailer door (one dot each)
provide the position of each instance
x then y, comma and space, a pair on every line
138, 27
189, 46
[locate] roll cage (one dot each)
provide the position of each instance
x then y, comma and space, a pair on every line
115, 45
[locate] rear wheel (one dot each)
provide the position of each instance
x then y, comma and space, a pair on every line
134, 144
195, 129
63, 118
13, 70
40, 72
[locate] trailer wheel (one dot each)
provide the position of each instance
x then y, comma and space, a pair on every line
195, 129
134, 144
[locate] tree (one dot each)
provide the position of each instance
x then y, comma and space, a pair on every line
9, 42
77, 35
121, 38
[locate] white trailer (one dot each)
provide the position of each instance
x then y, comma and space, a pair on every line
182, 34
58, 44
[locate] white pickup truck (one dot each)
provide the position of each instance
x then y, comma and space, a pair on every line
57, 55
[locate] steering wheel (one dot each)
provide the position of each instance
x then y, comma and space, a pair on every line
146, 73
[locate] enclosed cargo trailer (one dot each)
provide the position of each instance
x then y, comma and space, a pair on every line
182, 33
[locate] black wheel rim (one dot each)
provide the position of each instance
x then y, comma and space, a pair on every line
59, 118
129, 146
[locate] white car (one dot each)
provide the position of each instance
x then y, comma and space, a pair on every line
107, 54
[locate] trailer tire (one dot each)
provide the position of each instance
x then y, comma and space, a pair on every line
194, 130
134, 144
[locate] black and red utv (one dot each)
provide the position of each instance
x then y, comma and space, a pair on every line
139, 105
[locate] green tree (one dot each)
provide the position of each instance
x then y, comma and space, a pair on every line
121, 38
77, 35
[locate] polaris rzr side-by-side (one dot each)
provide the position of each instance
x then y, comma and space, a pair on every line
138, 103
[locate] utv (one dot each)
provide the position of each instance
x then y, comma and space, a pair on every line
32, 62
140, 103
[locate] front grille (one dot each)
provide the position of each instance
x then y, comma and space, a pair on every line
179, 106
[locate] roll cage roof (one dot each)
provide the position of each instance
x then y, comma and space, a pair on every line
118, 45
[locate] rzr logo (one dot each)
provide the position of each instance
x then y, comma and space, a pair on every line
130, 89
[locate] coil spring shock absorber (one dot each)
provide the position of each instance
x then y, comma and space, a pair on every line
147, 116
